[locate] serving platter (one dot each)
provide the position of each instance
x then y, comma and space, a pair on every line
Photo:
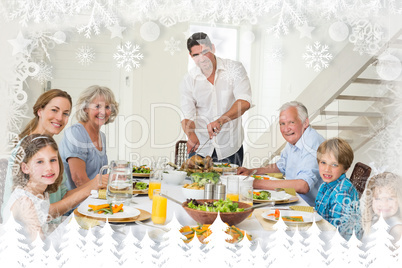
308, 217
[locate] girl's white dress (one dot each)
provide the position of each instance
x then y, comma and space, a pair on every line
41, 206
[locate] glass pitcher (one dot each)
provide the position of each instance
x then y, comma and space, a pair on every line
120, 184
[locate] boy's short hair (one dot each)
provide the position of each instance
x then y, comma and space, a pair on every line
198, 39
340, 149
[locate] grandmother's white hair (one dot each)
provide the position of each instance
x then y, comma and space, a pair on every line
301, 109
89, 94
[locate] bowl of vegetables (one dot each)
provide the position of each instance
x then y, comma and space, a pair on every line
195, 189
174, 177
205, 211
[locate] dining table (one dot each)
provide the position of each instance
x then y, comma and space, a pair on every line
259, 228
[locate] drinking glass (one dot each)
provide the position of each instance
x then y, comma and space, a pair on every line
232, 188
155, 177
159, 206
246, 195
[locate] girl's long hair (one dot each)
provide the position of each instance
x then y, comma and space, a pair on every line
41, 102
386, 179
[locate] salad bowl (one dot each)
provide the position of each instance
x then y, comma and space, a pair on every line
206, 217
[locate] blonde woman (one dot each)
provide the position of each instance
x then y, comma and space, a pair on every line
83, 147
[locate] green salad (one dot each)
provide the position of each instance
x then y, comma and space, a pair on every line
141, 169
203, 178
216, 206
262, 195
138, 185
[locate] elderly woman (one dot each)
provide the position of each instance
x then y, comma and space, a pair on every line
83, 147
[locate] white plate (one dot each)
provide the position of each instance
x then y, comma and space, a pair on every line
231, 165
275, 196
129, 212
307, 216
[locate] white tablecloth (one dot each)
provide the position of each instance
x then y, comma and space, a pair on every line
251, 225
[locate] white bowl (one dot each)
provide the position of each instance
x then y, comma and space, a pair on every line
174, 177
192, 193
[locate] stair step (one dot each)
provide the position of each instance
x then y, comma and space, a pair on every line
363, 98
354, 128
344, 113
368, 81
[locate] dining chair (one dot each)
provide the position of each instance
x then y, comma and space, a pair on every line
360, 174
180, 152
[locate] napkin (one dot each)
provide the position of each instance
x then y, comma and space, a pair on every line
290, 191
302, 208
101, 194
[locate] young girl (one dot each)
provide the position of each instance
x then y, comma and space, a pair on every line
39, 175
383, 196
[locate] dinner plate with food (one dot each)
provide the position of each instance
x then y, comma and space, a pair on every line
105, 210
269, 196
141, 171
265, 177
221, 167
291, 216
140, 187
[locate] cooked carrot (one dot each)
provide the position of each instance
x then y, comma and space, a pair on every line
277, 213
94, 207
117, 208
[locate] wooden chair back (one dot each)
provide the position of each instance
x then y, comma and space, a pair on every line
360, 174
180, 152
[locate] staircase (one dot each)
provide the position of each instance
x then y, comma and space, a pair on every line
350, 99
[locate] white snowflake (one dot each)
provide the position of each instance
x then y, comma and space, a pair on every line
274, 55
128, 56
233, 72
317, 56
85, 55
45, 72
366, 36
172, 46
350, 221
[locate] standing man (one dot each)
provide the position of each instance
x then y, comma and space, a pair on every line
214, 96
299, 158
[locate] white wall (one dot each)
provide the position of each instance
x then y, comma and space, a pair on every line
149, 121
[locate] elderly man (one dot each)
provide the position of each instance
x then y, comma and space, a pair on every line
299, 158
213, 101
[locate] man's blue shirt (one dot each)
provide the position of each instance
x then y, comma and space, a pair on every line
299, 161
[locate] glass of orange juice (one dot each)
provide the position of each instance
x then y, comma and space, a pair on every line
155, 178
232, 188
246, 195
159, 207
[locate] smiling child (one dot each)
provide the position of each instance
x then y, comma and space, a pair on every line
383, 196
39, 175
336, 192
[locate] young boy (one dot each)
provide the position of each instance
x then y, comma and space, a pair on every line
337, 192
